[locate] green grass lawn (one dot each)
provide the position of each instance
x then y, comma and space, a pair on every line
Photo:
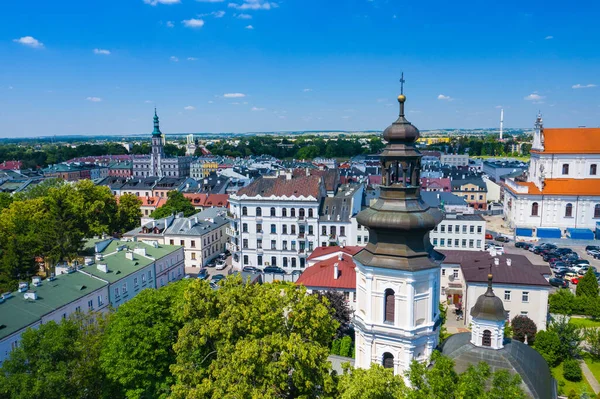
584, 322
579, 387
594, 365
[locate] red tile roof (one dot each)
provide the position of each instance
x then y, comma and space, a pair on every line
321, 251
11, 165
562, 187
434, 182
322, 274
207, 200
281, 186
580, 140
330, 177
155, 202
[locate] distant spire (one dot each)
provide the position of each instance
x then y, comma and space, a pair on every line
156, 131
402, 97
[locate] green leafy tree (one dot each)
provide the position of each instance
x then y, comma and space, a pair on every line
562, 302
138, 347
341, 311
250, 340
548, 344
570, 337
335, 346
129, 214
20, 241
39, 190
373, 383
5, 200
523, 328
176, 203
57, 361
97, 207
592, 339
588, 285
572, 370
346, 346
505, 386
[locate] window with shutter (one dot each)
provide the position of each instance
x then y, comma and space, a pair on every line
389, 305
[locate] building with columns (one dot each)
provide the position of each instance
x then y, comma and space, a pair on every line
562, 188
157, 164
397, 316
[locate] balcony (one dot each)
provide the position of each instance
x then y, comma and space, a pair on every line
231, 232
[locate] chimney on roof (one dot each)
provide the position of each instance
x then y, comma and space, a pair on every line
190, 224
288, 175
335, 271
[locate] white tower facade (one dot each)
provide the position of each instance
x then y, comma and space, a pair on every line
409, 332
501, 123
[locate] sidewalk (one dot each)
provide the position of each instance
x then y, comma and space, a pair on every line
590, 377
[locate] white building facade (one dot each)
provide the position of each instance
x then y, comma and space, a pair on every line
460, 232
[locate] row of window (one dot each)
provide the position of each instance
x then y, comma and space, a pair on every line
535, 209
284, 212
524, 296
284, 245
456, 229
286, 261
284, 229
593, 169
473, 197
448, 243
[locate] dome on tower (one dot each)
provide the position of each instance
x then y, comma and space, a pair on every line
402, 129
489, 306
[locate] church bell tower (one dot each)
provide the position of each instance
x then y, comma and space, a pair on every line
397, 318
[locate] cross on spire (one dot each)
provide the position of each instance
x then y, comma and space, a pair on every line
402, 83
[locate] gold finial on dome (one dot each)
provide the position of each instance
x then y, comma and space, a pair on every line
401, 98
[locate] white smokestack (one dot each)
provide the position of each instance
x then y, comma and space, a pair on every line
501, 123
335, 271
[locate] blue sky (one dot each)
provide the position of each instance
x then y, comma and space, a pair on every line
99, 67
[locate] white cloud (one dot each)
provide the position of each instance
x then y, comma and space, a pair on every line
218, 14
155, 2
94, 99
346, 117
249, 27
192, 59
257, 109
498, 106
281, 116
29, 41
244, 16
578, 86
170, 24
235, 103
148, 101
234, 95
445, 98
253, 5
193, 23
210, 1
173, 58
10, 87
549, 37
101, 51
189, 108
210, 101
533, 97
306, 90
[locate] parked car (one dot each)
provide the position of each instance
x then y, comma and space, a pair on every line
570, 276
576, 268
251, 269
592, 248
536, 249
558, 263
488, 236
596, 256
274, 270
502, 239
594, 253
203, 274
548, 246
211, 263
563, 251
561, 273
217, 277
499, 250
575, 281
521, 244
559, 282
221, 264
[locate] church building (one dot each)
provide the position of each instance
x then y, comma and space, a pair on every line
561, 195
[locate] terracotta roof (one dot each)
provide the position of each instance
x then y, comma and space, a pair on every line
281, 186
155, 202
321, 251
562, 187
208, 199
476, 266
580, 140
321, 274
330, 176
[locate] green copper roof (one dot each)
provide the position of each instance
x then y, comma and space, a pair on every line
156, 131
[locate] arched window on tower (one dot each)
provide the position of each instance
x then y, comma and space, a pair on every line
569, 211
597, 211
389, 305
388, 360
293, 212
534, 209
244, 211
258, 211
273, 212
486, 340
284, 212
301, 213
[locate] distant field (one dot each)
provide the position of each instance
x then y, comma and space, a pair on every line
581, 322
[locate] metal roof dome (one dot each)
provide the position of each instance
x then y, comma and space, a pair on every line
489, 306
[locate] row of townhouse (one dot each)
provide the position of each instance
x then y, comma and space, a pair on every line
110, 273
202, 236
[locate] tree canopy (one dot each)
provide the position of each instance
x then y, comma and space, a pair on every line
176, 203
